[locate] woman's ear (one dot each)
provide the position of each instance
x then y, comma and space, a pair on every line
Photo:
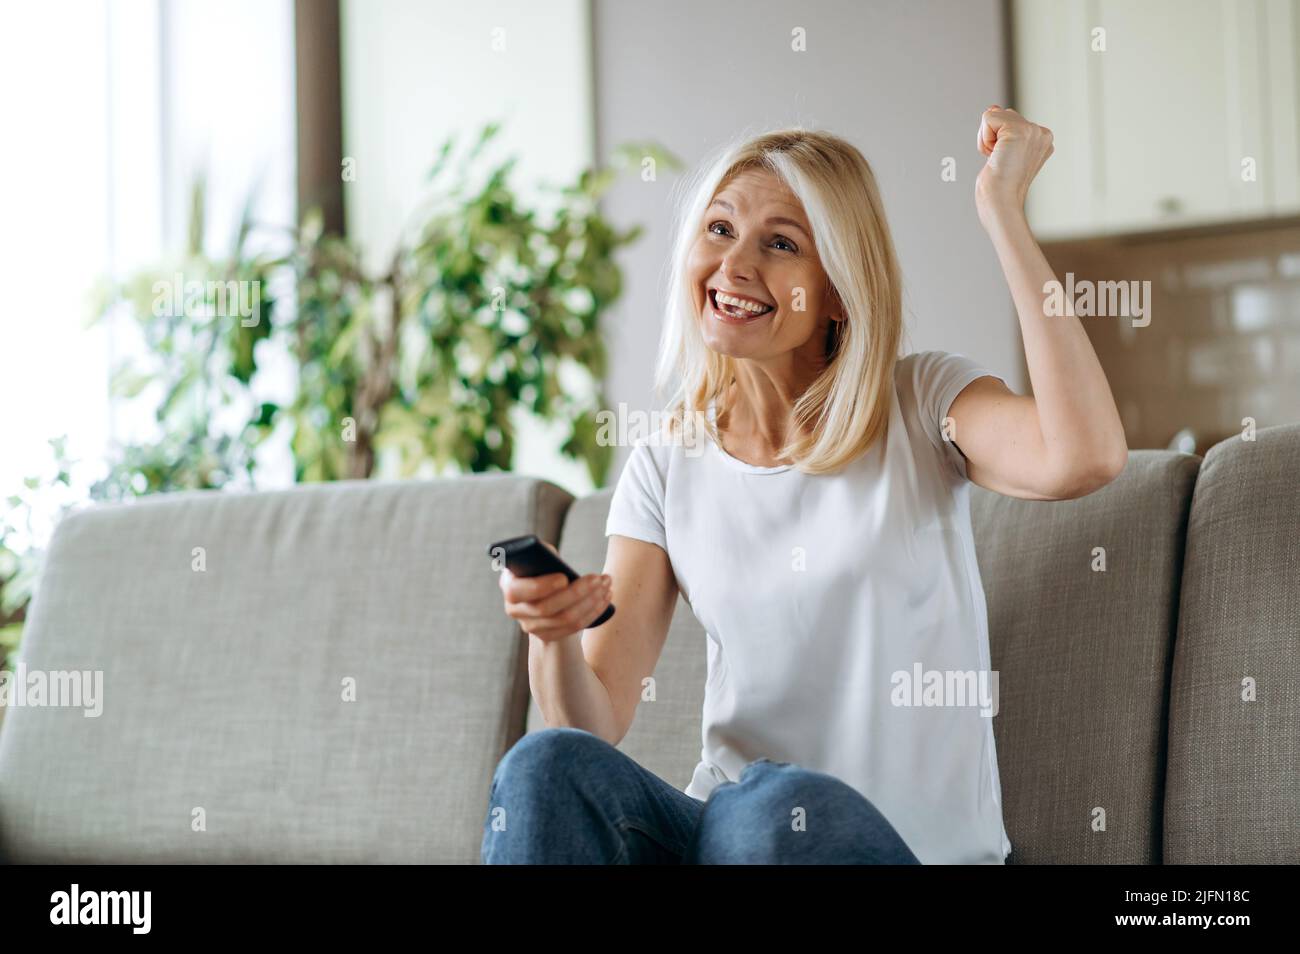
834, 335
836, 304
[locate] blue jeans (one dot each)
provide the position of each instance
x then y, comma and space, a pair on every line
566, 796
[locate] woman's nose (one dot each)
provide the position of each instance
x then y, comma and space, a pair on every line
738, 263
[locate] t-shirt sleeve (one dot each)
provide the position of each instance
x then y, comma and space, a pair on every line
637, 508
937, 378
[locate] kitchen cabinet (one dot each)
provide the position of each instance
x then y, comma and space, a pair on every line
1165, 113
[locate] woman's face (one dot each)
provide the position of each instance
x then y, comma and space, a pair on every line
755, 243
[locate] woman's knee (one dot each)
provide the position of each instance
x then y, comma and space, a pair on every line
779, 813
770, 791
550, 755
543, 806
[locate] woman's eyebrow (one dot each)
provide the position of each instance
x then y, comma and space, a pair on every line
774, 220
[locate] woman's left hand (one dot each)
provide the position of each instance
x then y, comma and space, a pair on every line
1016, 149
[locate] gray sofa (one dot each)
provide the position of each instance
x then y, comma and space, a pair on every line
338, 681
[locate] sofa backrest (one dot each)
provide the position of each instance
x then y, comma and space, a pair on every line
1082, 597
1233, 793
226, 688
228, 628
1083, 658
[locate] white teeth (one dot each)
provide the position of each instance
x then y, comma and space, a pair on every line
740, 303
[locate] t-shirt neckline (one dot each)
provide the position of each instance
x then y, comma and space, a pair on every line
736, 462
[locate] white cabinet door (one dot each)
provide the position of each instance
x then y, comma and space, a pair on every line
1166, 113
1281, 86
1051, 47
1168, 126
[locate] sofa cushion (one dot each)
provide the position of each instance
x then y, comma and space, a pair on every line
1233, 792
224, 688
1083, 656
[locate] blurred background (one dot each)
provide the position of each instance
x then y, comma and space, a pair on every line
255, 242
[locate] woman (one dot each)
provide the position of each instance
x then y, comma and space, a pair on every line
822, 539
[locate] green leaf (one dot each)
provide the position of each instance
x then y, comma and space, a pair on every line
464, 355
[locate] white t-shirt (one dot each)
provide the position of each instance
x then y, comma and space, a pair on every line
826, 600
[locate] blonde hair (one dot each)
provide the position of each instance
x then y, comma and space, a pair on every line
846, 408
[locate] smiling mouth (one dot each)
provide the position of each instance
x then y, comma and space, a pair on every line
735, 307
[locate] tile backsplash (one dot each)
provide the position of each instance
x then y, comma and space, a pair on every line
1223, 342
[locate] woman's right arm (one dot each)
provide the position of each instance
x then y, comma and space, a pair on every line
592, 679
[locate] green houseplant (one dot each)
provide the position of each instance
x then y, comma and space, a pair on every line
478, 312
20, 560
483, 308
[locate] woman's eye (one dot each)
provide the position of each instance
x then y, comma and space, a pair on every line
780, 239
